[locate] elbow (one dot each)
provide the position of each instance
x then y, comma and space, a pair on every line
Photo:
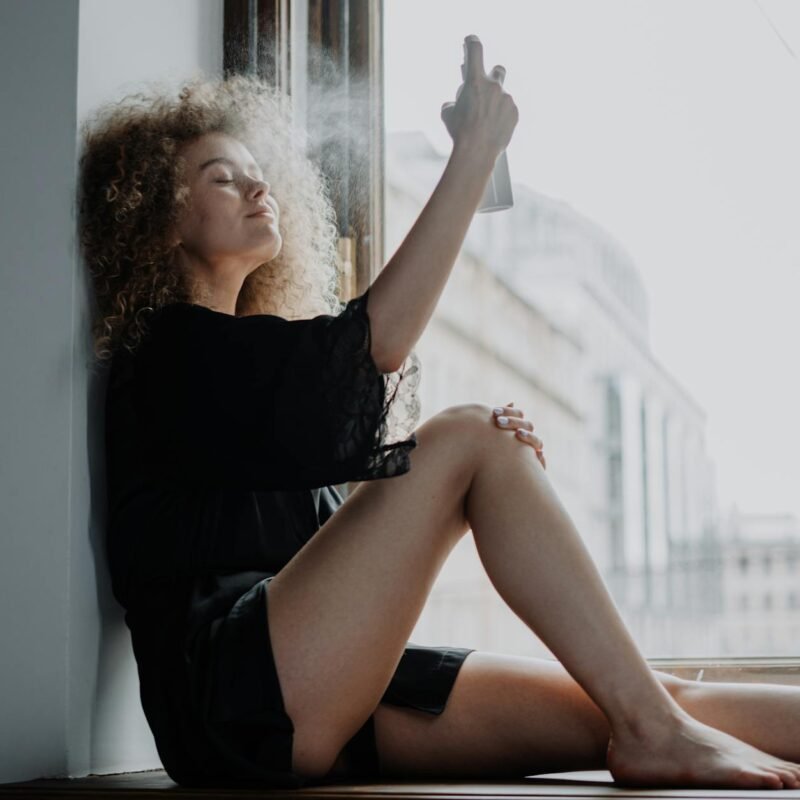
381, 350
385, 365
385, 362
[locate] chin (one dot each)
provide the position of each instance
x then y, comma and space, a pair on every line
276, 245
266, 260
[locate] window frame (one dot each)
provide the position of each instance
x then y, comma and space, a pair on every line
351, 33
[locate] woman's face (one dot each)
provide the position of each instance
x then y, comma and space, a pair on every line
217, 230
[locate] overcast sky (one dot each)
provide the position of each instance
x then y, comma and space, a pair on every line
674, 124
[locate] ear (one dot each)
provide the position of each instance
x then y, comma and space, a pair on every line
173, 241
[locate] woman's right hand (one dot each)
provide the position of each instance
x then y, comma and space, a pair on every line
483, 115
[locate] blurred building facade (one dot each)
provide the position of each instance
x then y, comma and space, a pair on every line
760, 586
545, 308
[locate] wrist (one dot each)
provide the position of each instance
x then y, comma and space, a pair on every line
477, 154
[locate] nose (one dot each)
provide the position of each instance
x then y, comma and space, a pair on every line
259, 187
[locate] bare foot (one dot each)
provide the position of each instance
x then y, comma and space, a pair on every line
689, 753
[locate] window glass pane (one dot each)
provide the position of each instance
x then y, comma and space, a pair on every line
637, 302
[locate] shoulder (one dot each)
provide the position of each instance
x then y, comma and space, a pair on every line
183, 312
187, 336
177, 311
162, 331
181, 323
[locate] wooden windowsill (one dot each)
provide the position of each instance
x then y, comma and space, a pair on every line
732, 670
156, 783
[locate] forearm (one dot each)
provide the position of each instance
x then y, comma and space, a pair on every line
404, 295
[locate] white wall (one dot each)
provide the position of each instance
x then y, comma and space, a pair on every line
69, 701
125, 44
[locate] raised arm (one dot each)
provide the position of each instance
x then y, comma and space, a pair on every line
403, 296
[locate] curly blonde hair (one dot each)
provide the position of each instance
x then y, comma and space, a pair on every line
132, 191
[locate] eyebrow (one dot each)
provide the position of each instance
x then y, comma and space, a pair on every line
224, 160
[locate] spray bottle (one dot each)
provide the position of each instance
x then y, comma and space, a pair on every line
497, 195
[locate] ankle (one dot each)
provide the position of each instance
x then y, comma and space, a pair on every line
648, 720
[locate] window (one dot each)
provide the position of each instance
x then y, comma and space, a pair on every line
652, 168
327, 58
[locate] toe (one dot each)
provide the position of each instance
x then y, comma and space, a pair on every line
790, 774
772, 781
789, 779
759, 779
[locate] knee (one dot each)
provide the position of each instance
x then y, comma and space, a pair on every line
475, 423
468, 416
466, 436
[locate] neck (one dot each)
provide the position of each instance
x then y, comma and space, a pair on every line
216, 288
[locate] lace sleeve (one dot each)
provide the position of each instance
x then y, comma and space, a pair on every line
360, 422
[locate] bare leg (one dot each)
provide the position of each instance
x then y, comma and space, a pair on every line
545, 574
342, 610
764, 715
509, 716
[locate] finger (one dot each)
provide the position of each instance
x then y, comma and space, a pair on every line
498, 73
473, 57
508, 411
530, 438
521, 426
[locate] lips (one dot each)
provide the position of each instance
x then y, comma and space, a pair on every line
263, 212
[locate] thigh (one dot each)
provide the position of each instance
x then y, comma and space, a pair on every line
506, 716
341, 611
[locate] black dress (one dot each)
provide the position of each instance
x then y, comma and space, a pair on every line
225, 438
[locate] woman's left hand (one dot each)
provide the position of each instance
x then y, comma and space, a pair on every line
509, 418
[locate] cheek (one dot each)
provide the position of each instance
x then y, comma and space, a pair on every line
212, 205
216, 220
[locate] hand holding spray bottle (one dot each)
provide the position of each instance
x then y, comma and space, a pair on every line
497, 195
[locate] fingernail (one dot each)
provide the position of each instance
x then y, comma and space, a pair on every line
503, 420
498, 410
522, 431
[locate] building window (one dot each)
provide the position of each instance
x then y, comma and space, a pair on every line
743, 562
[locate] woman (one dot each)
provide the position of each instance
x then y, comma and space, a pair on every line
269, 618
